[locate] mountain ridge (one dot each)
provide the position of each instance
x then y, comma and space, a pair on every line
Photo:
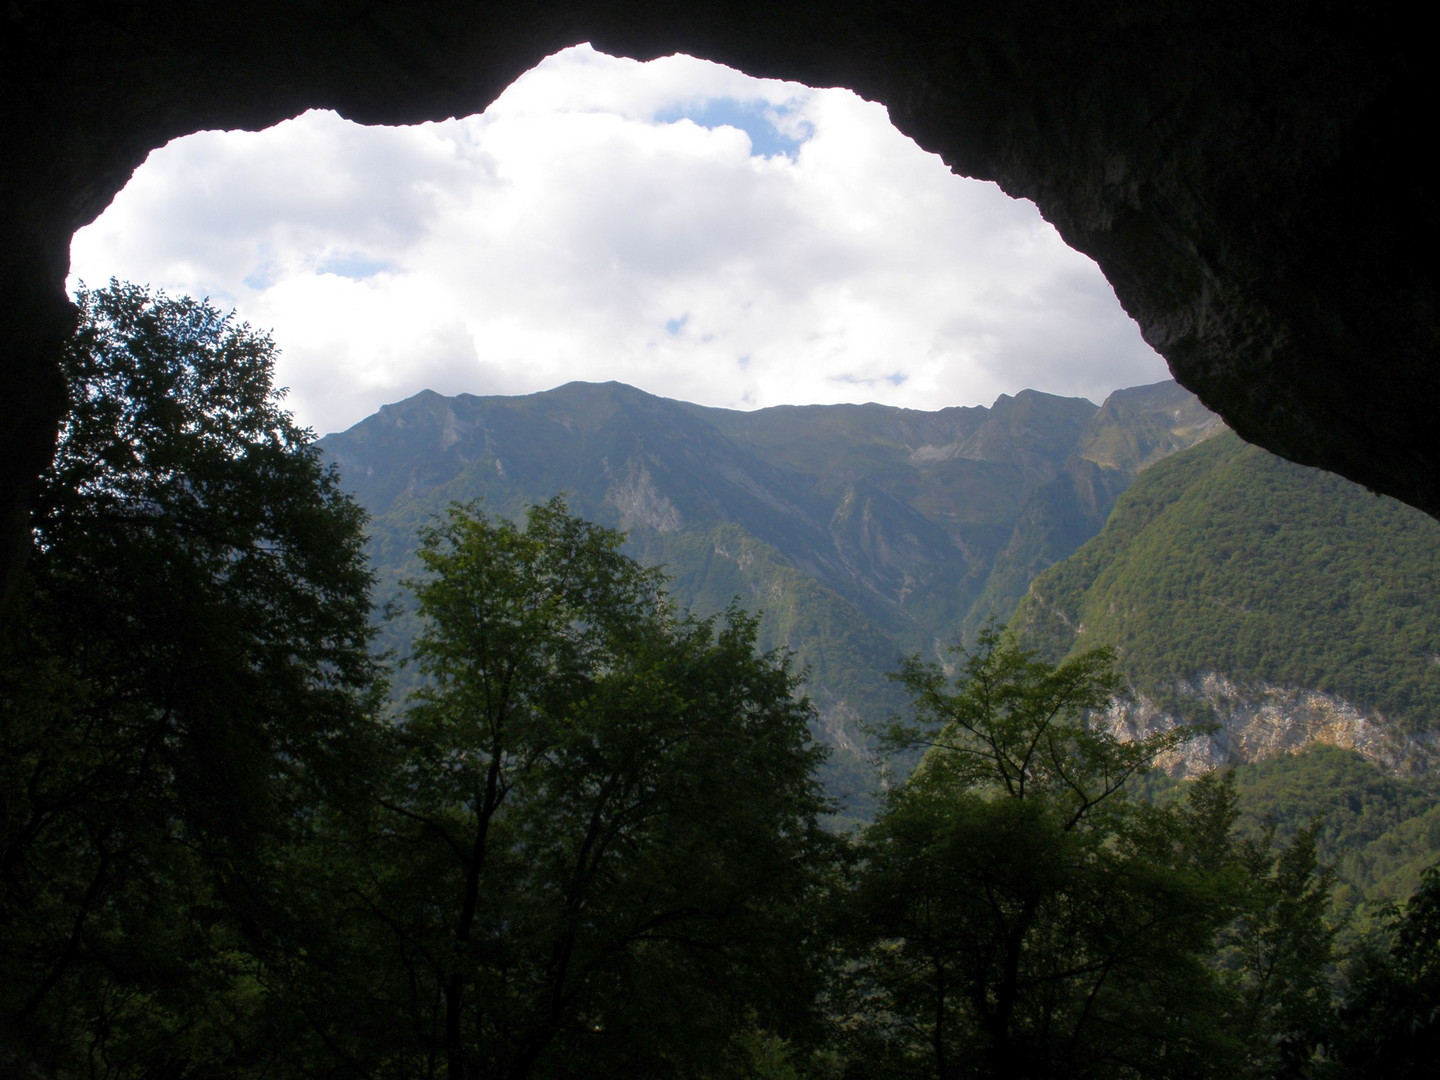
863, 532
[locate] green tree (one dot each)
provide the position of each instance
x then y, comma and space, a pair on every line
1020, 916
598, 850
1390, 1020
1275, 956
186, 677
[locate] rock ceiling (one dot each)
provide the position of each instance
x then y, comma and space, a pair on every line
1247, 175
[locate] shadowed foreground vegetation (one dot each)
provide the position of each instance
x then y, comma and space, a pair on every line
587, 841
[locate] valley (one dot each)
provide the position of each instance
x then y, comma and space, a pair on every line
1284, 606
859, 533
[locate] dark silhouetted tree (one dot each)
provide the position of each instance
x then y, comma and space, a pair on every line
598, 853
185, 678
1016, 914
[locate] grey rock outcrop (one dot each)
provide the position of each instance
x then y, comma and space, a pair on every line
1258, 720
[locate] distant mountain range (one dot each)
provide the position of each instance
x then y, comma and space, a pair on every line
1287, 607
862, 532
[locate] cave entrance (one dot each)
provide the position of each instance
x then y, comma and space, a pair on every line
673, 224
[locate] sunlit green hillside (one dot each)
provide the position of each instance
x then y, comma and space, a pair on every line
1228, 559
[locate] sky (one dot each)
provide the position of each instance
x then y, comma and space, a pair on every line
675, 225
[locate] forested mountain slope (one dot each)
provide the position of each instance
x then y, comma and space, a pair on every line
861, 531
1285, 604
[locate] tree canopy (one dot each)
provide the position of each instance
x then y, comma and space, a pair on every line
594, 855
1017, 914
587, 842
187, 673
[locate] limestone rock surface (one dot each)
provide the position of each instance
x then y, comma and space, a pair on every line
1258, 721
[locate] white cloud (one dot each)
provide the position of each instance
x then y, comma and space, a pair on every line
585, 227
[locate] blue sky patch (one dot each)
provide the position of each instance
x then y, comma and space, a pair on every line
262, 277
895, 378
354, 266
674, 326
754, 117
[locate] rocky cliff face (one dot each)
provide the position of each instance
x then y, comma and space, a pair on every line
1281, 604
1258, 721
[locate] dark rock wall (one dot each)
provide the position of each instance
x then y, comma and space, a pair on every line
1247, 175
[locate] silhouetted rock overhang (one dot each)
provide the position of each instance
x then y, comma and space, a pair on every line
1247, 175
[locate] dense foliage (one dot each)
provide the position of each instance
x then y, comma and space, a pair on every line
1377, 831
184, 678
588, 846
1390, 1023
1019, 915
597, 848
585, 841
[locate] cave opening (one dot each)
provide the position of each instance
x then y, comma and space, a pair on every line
1246, 176
674, 224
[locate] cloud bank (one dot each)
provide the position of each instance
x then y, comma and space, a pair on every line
675, 225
